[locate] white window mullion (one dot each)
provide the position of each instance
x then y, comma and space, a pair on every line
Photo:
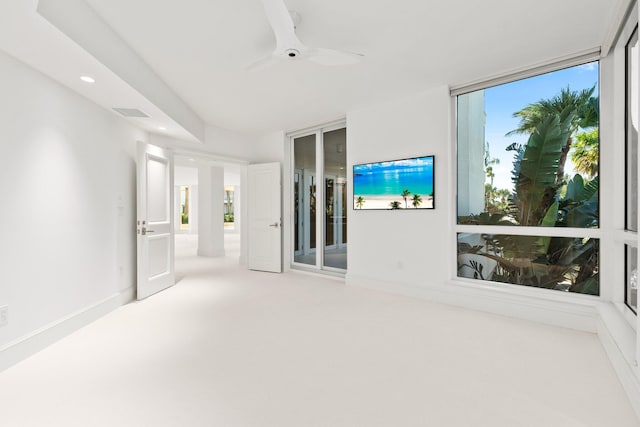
320, 201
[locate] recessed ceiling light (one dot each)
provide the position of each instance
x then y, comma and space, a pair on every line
192, 160
87, 79
162, 128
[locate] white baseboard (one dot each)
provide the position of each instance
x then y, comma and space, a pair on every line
22, 348
582, 316
619, 357
127, 295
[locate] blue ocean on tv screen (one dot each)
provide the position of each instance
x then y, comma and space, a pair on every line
391, 178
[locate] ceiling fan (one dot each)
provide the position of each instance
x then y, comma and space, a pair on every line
289, 47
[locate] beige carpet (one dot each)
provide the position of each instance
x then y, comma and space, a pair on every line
231, 347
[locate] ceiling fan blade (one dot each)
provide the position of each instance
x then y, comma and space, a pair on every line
332, 57
282, 25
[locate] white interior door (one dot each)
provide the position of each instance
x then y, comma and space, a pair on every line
155, 220
265, 217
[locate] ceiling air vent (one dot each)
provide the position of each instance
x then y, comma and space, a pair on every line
132, 112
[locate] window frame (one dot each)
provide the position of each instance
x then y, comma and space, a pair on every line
630, 236
626, 129
594, 233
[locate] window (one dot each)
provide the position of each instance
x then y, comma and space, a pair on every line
631, 169
631, 219
631, 270
528, 153
184, 207
228, 207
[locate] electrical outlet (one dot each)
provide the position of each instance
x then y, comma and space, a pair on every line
4, 315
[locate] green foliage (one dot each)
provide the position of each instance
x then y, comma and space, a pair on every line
395, 205
496, 200
489, 162
579, 206
582, 103
584, 153
568, 264
487, 218
543, 196
228, 217
359, 202
184, 218
536, 167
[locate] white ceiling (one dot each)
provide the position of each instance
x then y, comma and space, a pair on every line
27, 36
200, 49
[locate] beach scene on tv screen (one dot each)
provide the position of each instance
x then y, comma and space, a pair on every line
396, 184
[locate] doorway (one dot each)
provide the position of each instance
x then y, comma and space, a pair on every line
207, 208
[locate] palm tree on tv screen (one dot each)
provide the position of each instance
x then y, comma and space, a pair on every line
405, 194
416, 200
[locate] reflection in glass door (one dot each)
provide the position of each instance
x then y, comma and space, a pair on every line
305, 199
335, 173
320, 158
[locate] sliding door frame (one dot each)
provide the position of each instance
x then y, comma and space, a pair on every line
319, 132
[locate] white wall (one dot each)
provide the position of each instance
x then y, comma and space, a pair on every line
406, 246
67, 184
184, 175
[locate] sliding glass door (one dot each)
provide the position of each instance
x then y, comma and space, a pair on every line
320, 211
335, 196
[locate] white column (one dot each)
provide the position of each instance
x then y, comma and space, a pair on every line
237, 205
210, 211
176, 209
240, 213
193, 209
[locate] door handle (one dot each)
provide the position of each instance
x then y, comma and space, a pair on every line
145, 231
275, 224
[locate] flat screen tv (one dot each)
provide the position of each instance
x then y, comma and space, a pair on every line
394, 184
